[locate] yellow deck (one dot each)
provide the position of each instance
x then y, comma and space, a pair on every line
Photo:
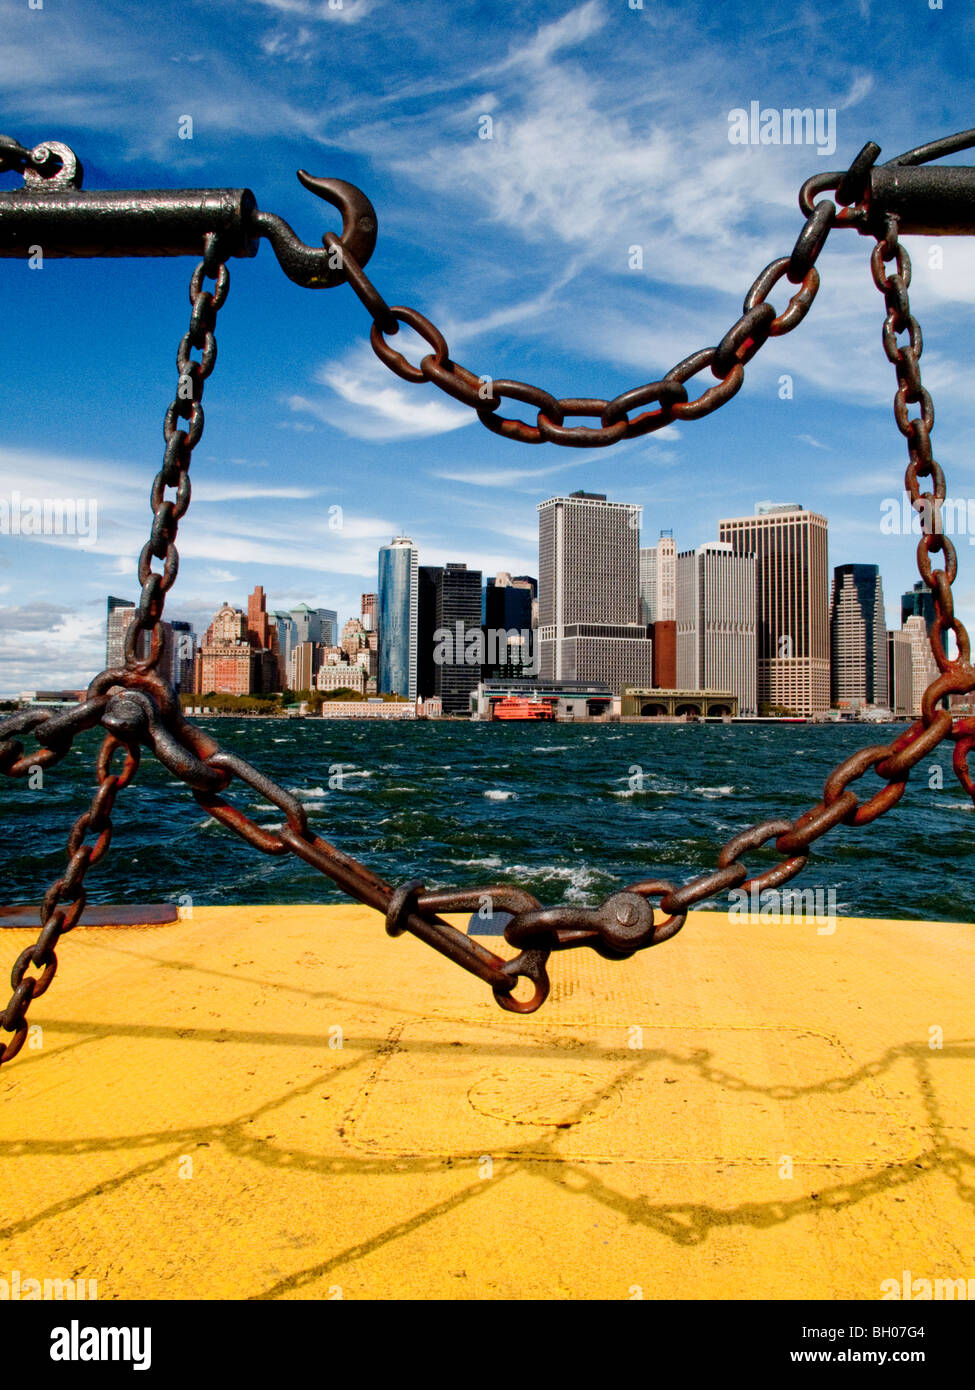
190, 1129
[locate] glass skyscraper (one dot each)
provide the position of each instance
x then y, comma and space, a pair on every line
398, 599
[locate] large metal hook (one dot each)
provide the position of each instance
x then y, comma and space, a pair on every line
307, 265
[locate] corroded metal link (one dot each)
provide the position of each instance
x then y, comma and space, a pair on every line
758, 323
64, 901
180, 443
53, 731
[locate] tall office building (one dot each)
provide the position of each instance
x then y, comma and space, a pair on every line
182, 649
717, 599
370, 605
900, 674
919, 603
396, 614
658, 581
426, 626
319, 625
858, 638
458, 613
119, 614
287, 634
508, 634
262, 633
790, 548
924, 668
588, 583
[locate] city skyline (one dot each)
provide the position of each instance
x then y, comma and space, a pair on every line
570, 248
915, 601
731, 597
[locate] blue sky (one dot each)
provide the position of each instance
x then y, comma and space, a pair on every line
610, 129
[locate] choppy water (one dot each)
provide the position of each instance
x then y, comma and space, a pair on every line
572, 812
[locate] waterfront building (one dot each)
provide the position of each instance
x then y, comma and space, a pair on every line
858, 638
790, 548
900, 674
589, 607
566, 699
368, 709
717, 597
653, 703
658, 581
396, 614
924, 668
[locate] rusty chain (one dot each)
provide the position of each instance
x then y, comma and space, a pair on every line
123, 715
758, 322
137, 707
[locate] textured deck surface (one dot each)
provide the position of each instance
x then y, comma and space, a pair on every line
749, 1111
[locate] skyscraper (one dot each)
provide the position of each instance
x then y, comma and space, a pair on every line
918, 602
397, 617
658, 581
119, 614
426, 626
900, 674
790, 548
319, 625
508, 611
858, 638
458, 614
182, 646
717, 595
924, 668
287, 631
262, 633
370, 604
589, 607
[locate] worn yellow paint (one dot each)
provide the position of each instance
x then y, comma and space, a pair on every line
282, 1102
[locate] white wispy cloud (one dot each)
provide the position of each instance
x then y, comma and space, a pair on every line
365, 401
499, 477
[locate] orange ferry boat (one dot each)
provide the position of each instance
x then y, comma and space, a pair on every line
520, 707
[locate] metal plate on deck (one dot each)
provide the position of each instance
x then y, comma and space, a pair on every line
98, 915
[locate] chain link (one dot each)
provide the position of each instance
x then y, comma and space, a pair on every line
125, 718
137, 707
